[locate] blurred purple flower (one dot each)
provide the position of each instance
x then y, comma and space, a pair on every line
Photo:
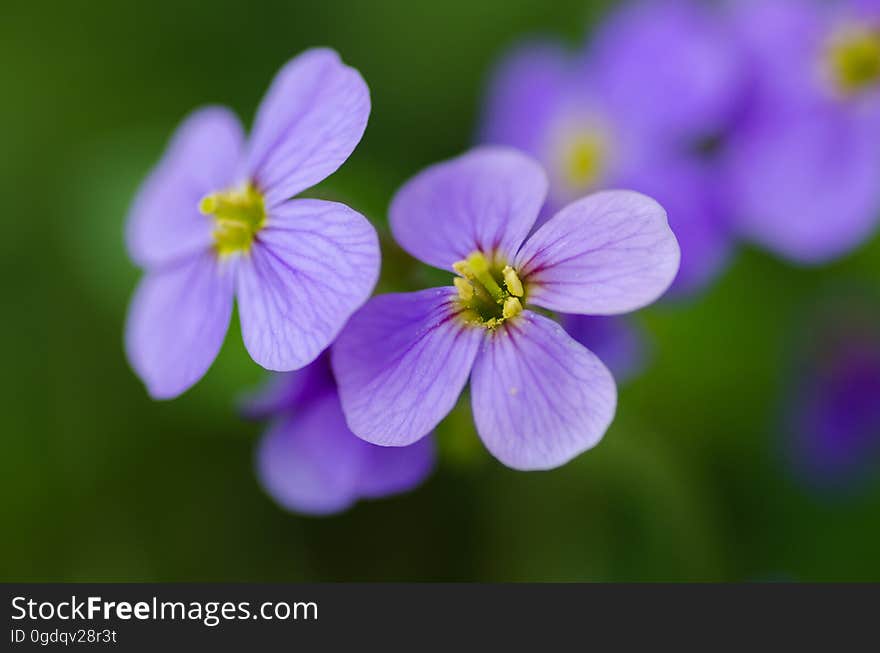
214, 221
803, 162
659, 83
310, 462
834, 412
615, 341
538, 397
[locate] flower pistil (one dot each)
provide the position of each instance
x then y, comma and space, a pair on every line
489, 290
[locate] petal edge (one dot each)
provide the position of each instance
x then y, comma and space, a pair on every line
401, 363
540, 398
609, 253
313, 265
486, 199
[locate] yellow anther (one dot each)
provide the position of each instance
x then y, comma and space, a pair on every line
512, 307
511, 280
489, 291
462, 268
465, 289
238, 213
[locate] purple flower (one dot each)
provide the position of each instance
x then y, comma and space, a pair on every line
310, 462
539, 398
618, 343
803, 161
214, 221
834, 412
659, 82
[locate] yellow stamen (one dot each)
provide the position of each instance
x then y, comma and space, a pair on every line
465, 289
512, 307
464, 269
511, 280
238, 213
479, 267
489, 291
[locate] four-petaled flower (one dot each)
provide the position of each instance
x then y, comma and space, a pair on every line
643, 106
310, 462
539, 398
802, 166
583, 116
215, 221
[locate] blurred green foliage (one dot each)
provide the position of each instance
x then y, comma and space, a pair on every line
97, 482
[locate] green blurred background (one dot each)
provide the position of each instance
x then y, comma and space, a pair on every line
97, 482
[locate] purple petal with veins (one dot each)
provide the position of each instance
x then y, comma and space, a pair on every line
165, 224
539, 398
309, 123
485, 200
177, 321
609, 253
312, 266
401, 363
213, 219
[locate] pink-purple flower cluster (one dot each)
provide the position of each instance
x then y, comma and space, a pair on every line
214, 221
753, 120
539, 398
745, 121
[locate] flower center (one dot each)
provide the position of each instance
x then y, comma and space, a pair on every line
582, 155
238, 214
853, 58
489, 291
